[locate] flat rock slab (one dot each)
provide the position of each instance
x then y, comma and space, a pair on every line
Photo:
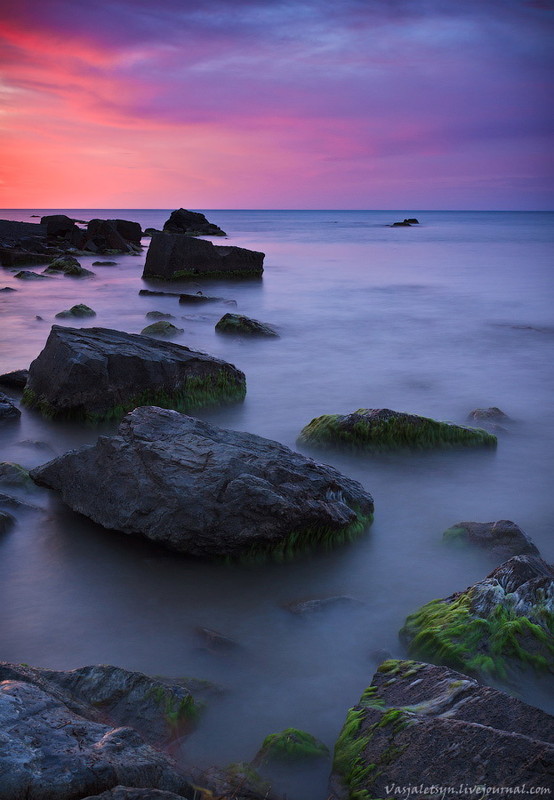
495, 628
172, 257
421, 725
503, 538
378, 429
207, 491
98, 373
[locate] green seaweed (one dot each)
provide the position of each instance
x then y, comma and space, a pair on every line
455, 536
180, 713
192, 393
451, 633
291, 745
395, 432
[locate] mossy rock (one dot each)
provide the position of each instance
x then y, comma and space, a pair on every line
161, 328
381, 429
79, 310
244, 326
158, 315
67, 265
12, 474
493, 629
291, 745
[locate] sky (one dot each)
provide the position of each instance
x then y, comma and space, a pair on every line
339, 104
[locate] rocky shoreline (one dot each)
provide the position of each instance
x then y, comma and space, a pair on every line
105, 732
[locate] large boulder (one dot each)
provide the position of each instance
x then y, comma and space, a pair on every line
423, 727
376, 429
130, 231
59, 225
502, 538
207, 491
191, 223
111, 235
495, 628
174, 257
98, 373
69, 735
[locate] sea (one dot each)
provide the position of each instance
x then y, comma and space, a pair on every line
437, 319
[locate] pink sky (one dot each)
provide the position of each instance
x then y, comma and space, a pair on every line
272, 104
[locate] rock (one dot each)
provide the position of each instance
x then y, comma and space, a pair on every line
174, 257
404, 224
421, 726
97, 373
16, 257
208, 491
158, 315
14, 504
56, 745
14, 475
238, 324
104, 263
159, 294
191, 223
494, 628
493, 413
215, 642
26, 275
504, 538
6, 521
161, 328
68, 265
238, 781
315, 605
80, 310
103, 235
290, 745
128, 793
58, 225
8, 411
151, 231
412, 221
379, 429
16, 379
8, 289
195, 299
130, 231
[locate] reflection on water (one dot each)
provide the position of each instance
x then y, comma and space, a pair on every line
435, 320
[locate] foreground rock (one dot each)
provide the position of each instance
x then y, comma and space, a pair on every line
419, 725
73, 734
191, 223
8, 411
244, 326
174, 257
375, 429
98, 373
493, 629
207, 491
503, 538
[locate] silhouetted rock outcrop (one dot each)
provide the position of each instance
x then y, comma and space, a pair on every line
173, 257
190, 223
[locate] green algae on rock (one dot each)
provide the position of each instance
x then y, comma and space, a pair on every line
502, 623
244, 326
291, 745
161, 328
94, 374
415, 716
380, 429
79, 310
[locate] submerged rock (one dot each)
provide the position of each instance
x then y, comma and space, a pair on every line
195, 299
158, 315
80, 310
191, 223
382, 429
69, 735
422, 725
16, 379
504, 538
174, 257
27, 275
104, 263
207, 491
98, 373
161, 328
14, 475
318, 604
499, 625
68, 265
238, 324
8, 411
493, 414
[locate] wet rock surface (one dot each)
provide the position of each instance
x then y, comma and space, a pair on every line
173, 257
97, 373
503, 538
422, 725
207, 491
16, 379
8, 410
244, 326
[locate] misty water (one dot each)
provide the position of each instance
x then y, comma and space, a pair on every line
436, 319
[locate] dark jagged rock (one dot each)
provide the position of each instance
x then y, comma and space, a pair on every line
404, 224
80, 310
173, 257
191, 223
98, 373
16, 379
130, 231
8, 411
240, 325
105, 235
375, 429
59, 225
504, 538
208, 491
68, 735
416, 719
161, 328
494, 628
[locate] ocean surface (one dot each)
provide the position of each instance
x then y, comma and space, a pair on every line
437, 319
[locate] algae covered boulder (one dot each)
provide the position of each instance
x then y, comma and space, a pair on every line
207, 491
80, 311
244, 326
98, 373
493, 629
67, 265
423, 726
175, 257
503, 538
377, 429
162, 328
290, 745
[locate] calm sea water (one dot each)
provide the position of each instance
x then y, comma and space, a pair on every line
437, 320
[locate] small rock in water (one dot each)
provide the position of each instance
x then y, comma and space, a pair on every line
504, 538
104, 263
8, 289
8, 411
492, 413
158, 315
238, 324
80, 310
161, 328
27, 275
